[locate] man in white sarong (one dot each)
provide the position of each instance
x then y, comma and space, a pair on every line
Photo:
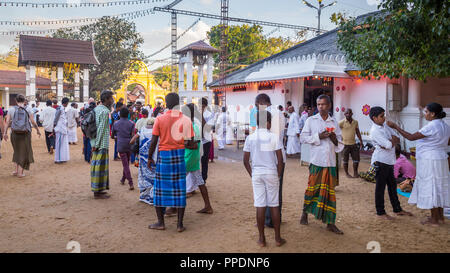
72, 123
61, 139
223, 129
293, 133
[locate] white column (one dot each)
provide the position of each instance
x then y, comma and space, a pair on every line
200, 78
86, 84
53, 80
60, 82
189, 64
209, 70
27, 77
414, 94
181, 75
6, 97
32, 96
77, 85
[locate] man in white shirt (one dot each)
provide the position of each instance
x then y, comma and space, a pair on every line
266, 167
62, 153
72, 123
322, 132
47, 118
383, 158
207, 124
293, 133
262, 102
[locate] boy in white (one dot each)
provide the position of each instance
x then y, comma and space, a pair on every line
383, 158
264, 149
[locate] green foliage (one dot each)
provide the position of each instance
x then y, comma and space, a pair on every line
408, 38
339, 18
116, 44
247, 44
163, 74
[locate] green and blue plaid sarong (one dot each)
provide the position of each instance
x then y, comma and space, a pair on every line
100, 170
169, 189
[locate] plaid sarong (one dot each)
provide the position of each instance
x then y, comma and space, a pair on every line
320, 197
100, 170
170, 183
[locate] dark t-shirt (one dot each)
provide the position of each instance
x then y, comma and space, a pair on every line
123, 129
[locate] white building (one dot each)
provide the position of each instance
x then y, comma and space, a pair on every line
303, 72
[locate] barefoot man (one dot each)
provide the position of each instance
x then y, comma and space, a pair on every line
322, 132
350, 128
174, 131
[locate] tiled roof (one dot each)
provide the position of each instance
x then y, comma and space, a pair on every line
198, 46
44, 49
19, 78
322, 44
14, 78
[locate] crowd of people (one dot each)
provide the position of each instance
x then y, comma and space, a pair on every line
172, 145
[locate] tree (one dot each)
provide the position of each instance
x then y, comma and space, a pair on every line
339, 18
407, 38
116, 44
247, 44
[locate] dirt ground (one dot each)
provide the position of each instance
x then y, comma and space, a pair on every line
54, 205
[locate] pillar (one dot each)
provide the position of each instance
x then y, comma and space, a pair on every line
200, 78
77, 85
189, 65
53, 80
85, 84
6, 97
27, 77
60, 82
411, 116
209, 70
413, 94
32, 95
181, 75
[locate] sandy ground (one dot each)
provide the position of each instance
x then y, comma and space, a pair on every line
54, 205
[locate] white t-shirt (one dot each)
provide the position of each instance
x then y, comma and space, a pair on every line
434, 145
209, 119
262, 145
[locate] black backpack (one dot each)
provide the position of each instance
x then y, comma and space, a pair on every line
88, 125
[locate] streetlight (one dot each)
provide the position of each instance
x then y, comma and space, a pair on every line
319, 10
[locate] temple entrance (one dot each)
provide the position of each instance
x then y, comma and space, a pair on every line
314, 87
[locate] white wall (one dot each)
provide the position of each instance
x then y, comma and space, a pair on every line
246, 100
357, 93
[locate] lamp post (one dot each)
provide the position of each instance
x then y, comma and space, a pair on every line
319, 10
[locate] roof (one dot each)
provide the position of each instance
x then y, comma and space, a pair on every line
56, 50
198, 47
322, 44
18, 78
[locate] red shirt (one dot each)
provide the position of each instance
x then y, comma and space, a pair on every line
173, 128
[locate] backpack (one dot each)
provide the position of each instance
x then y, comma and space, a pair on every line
20, 123
88, 125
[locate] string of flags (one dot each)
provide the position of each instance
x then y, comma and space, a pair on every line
126, 16
77, 5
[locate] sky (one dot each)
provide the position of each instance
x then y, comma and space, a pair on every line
155, 28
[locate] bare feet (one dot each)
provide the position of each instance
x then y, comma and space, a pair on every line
386, 217
440, 221
131, 188
181, 229
356, 175
20, 175
101, 196
333, 228
189, 194
206, 210
430, 222
157, 226
14, 174
51, 151
349, 176
402, 213
281, 242
304, 219
262, 243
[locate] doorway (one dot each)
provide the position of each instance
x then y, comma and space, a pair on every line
314, 87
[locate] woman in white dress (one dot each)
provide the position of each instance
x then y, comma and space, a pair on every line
431, 188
